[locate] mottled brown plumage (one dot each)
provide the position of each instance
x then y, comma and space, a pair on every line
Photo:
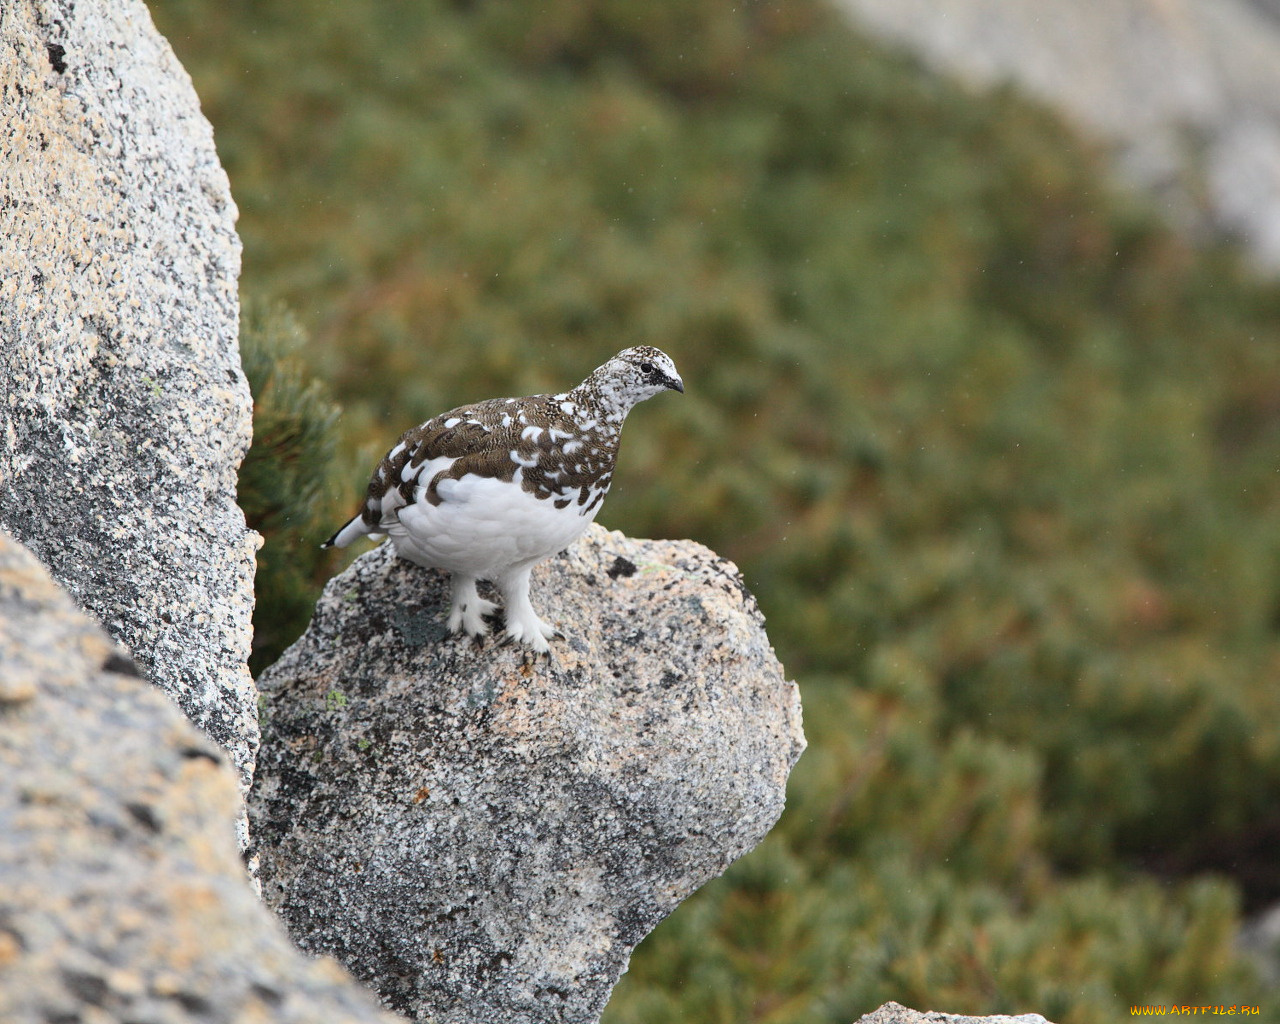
482, 438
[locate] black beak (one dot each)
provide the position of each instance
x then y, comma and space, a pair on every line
675, 384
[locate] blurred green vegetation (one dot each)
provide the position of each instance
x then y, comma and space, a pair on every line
290, 480
996, 450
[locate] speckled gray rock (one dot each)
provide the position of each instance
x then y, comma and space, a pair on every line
123, 897
125, 412
484, 837
893, 1013
1189, 90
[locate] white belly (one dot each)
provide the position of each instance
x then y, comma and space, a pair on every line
484, 527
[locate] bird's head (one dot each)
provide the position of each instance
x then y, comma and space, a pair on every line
635, 374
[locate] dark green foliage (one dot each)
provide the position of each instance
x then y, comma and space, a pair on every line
289, 478
996, 450
909, 866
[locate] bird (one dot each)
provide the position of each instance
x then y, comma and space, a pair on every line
489, 490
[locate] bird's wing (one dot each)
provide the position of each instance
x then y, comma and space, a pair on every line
477, 439
495, 439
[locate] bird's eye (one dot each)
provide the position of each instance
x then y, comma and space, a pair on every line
646, 367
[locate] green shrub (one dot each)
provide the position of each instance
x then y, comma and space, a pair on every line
908, 867
287, 480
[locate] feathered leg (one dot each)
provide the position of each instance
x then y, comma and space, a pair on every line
469, 608
523, 624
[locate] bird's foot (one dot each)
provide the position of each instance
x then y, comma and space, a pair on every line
532, 632
468, 616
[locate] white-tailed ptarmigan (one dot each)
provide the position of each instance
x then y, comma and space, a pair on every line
487, 491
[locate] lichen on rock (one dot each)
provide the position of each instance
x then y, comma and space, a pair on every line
895, 1013
125, 411
123, 895
482, 835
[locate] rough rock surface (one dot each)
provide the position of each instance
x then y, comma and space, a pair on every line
123, 895
1189, 89
125, 411
893, 1013
484, 836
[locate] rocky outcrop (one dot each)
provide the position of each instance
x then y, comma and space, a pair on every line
1189, 90
125, 411
893, 1013
123, 895
484, 836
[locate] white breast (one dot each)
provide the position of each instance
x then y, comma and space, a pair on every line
483, 527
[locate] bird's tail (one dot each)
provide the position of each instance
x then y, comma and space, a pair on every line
355, 528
